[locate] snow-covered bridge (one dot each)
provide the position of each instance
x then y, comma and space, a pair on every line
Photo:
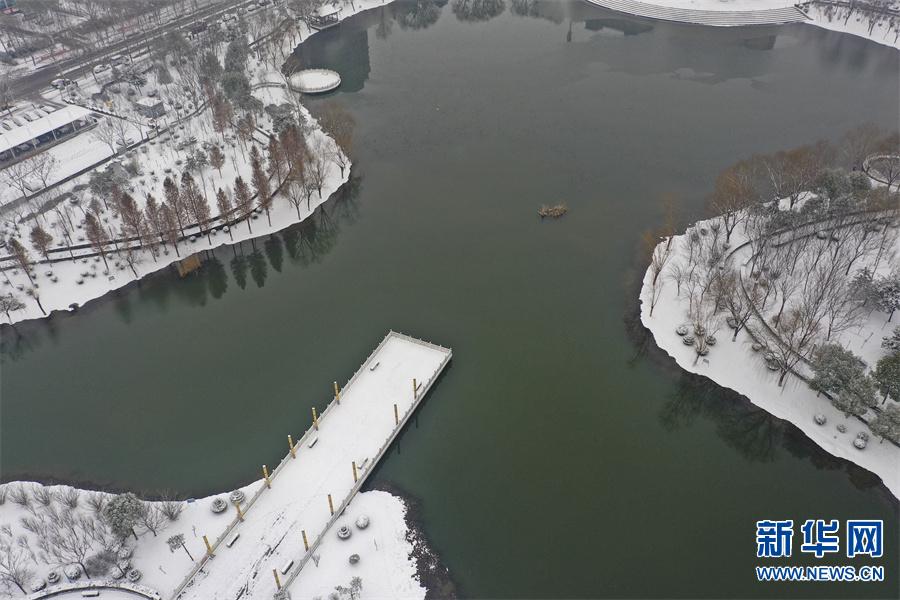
283, 525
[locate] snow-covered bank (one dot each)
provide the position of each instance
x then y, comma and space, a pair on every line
736, 366
389, 570
305, 526
882, 28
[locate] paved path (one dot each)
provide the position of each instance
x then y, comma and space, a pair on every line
715, 18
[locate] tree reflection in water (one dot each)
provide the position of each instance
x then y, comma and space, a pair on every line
477, 10
305, 243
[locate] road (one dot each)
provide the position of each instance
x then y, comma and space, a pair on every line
36, 82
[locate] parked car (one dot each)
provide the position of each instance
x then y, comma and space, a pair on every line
101, 68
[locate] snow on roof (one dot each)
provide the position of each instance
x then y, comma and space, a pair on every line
46, 124
149, 102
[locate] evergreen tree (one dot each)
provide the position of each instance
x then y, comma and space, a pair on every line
887, 376
892, 342
834, 367
887, 423
122, 513
857, 396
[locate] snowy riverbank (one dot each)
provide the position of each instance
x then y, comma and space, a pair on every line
388, 571
736, 366
845, 19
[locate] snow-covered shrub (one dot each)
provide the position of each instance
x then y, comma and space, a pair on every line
37, 585
53, 577
842, 428
681, 330
710, 340
218, 505
344, 532
236, 496
862, 435
362, 522
820, 419
354, 558
72, 571
859, 443
688, 340
133, 575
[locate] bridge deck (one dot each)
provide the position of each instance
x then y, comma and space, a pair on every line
360, 429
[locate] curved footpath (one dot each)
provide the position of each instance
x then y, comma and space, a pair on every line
714, 18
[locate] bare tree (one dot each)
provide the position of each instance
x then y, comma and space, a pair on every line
152, 518
41, 240
20, 257
170, 226
216, 159
337, 122
195, 203
97, 236
260, 182
243, 201
175, 203
18, 175
858, 143
44, 166
15, 563
226, 209
9, 303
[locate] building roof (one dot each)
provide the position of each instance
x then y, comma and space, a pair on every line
29, 131
149, 102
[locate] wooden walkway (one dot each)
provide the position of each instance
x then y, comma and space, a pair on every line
714, 18
310, 491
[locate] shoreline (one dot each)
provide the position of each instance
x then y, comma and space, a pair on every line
432, 573
793, 402
742, 13
791, 438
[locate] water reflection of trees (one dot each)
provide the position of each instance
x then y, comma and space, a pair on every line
408, 15
525, 8
477, 10
418, 15
305, 243
750, 430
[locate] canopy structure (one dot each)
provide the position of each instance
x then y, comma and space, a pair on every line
44, 125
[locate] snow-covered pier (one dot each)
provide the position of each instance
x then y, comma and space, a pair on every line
284, 522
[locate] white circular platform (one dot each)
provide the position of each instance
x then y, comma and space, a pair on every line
315, 81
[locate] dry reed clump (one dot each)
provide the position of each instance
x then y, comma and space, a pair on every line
555, 212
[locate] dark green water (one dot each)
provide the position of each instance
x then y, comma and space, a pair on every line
559, 456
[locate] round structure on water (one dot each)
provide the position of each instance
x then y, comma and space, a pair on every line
314, 81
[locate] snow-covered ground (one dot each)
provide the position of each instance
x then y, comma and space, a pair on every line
734, 365
884, 31
385, 567
270, 536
